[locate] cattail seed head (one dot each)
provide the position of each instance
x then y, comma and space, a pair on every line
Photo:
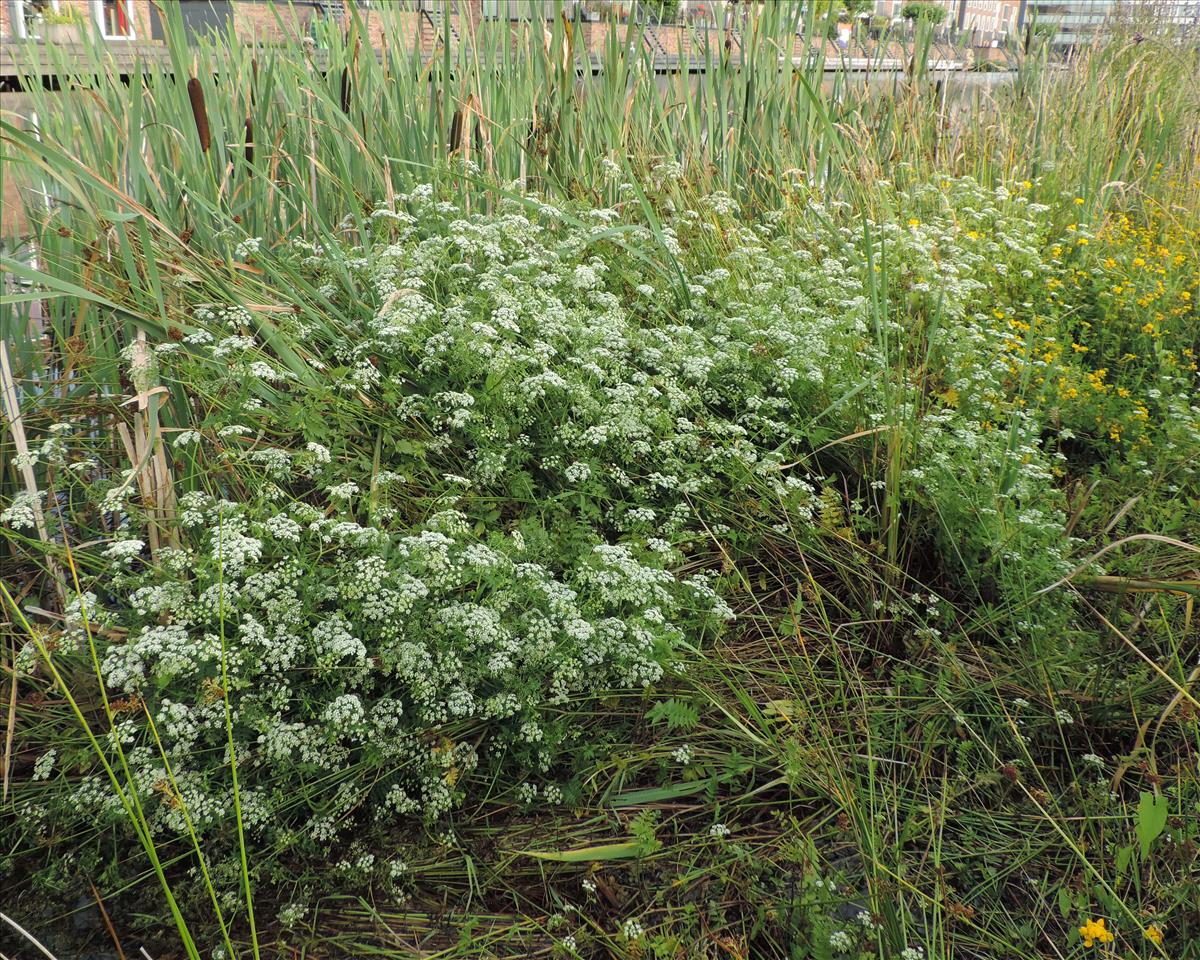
199, 113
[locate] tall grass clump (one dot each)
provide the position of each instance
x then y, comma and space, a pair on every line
506, 505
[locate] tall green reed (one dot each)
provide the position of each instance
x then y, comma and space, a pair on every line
227, 139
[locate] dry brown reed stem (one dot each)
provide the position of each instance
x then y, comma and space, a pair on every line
12, 412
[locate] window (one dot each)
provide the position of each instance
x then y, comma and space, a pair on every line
27, 17
115, 18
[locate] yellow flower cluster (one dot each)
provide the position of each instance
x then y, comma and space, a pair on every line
1111, 312
1094, 932
1153, 273
1111, 286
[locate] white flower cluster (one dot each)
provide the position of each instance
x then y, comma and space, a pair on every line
124, 552
20, 514
539, 370
534, 375
44, 764
341, 649
247, 248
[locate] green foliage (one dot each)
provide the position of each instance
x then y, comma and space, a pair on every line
1151, 820
932, 13
62, 16
644, 829
579, 472
660, 11
674, 715
408, 531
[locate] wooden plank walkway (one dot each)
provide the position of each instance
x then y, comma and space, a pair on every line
21, 61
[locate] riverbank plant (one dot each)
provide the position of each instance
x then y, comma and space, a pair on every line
667, 557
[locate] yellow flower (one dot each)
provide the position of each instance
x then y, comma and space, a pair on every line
1094, 931
914, 222
1154, 935
1079, 201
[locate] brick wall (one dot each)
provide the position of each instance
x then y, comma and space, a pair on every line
258, 21
255, 20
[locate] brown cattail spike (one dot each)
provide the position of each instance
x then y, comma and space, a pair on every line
196, 95
249, 141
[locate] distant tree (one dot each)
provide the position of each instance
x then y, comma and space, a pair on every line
828, 13
923, 10
661, 11
832, 9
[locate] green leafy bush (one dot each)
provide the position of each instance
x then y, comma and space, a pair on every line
543, 450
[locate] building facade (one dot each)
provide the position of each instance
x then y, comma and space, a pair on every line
1074, 22
115, 19
988, 20
139, 21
